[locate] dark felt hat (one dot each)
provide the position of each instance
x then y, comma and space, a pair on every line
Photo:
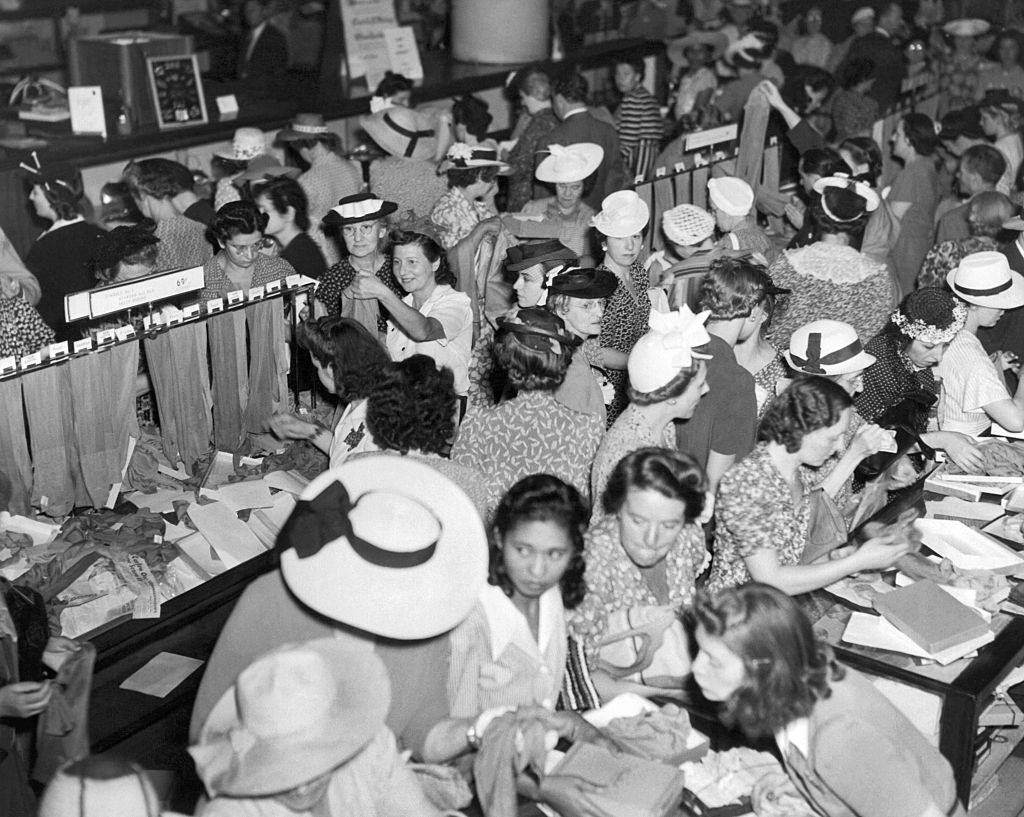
584, 283
538, 329
1000, 98
522, 256
358, 208
962, 122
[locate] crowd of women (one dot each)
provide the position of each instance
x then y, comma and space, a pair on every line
548, 445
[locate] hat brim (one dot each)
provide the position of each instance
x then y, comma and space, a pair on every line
334, 219
556, 255
718, 42
403, 603
269, 766
858, 363
592, 155
289, 135
602, 285
1015, 223
1011, 298
272, 172
393, 142
622, 228
474, 163
966, 28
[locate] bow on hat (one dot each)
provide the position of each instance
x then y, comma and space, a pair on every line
681, 332
549, 278
815, 361
326, 518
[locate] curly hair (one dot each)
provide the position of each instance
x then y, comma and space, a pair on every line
864, 150
542, 498
465, 176
472, 112
393, 84
822, 162
788, 669
987, 213
670, 473
411, 407
63, 191
809, 404
675, 387
355, 355
920, 132
237, 218
157, 178
430, 249
283, 193
986, 161
732, 288
530, 369
931, 305
572, 87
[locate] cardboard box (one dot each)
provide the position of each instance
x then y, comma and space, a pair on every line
930, 617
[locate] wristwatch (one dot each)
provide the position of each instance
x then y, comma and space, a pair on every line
472, 738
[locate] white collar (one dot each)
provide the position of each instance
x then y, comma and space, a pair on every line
573, 113
796, 734
257, 31
883, 32
62, 223
507, 625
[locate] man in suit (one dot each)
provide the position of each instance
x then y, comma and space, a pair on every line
263, 62
579, 125
885, 55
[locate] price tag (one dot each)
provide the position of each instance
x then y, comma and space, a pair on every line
34, 359
215, 305
83, 345
235, 297
105, 336
274, 286
7, 365
175, 317
257, 293
124, 332
58, 350
191, 311
293, 281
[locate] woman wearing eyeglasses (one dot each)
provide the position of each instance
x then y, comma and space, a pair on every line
239, 265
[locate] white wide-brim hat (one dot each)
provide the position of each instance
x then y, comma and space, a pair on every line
388, 545
863, 13
732, 196
247, 143
570, 163
966, 27
623, 214
292, 716
98, 786
985, 279
669, 347
827, 348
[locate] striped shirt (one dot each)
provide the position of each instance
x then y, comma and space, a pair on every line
969, 381
638, 118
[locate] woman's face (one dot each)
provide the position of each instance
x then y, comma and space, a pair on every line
649, 525
536, 554
813, 21
128, 272
568, 194
900, 143
851, 382
582, 316
624, 251
326, 375
925, 355
1009, 52
242, 249
820, 444
718, 671
529, 285
991, 122
987, 316
363, 239
414, 271
276, 222
304, 797
695, 389
41, 204
626, 78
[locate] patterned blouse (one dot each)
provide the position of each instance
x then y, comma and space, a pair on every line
891, 379
626, 314
766, 382
340, 276
754, 513
958, 80
530, 434
455, 216
615, 582
413, 183
522, 159
22, 330
265, 269
573, 230
628, 434
947, 255
182, 244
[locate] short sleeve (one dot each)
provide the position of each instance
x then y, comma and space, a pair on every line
454, 313
468, 642
974, 386
745, 513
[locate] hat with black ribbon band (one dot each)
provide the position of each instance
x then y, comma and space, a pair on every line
815, 361
412, 135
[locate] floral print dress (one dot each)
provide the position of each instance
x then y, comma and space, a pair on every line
626, 314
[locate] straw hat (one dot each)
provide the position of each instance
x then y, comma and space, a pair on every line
667, 348
305, 126
985, 279
290, 717
387, 545
570, 163
99, 786
522, 256
623, 214
246, 144
863, 14
265, 167
586, 283
715, 41
401, 132
357, 208
965, 27
687, 224
461, 156
827, 348
732, 196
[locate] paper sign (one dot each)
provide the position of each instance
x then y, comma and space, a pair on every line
235, 297
215, 305
256, 293
273, 286
364, 23
104, 336
403, 53
8, 364
34, 359
161, 674
58, 350
83, 345
191, 311
86, 105
124, 332
227, 106
712, 136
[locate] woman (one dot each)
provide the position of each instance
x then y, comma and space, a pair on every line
432, 319
959, 72
22, 329
761, 661
531, 432
638, 117
565, 215
621, 223
59, 258
1001, 121
239, 265
349, 361
854, 112
759, 356
987, 212
472, 174
697, 84
394, 90
973, 391
648, 549
829, 278
914, 195
361, 223
511, 650
762, 510
470, 121
284, 203
812, 47
1007, 73
864, 159
666, 381
900, 388
123, 254
410, 410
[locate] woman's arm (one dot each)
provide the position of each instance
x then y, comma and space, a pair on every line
959, 447
414, 323
1009, 413
869, 439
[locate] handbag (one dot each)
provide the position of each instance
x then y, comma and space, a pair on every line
647, 645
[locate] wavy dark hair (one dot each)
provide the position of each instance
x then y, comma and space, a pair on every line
542, 498
670, 473
809, 404
465, 176
237, 218
864, 151
159, 178
920, 132
283, 193
788, 668
393, 84
355, 355
841, 202
529, 369
430, 248
411, 407
822, 162
732, 288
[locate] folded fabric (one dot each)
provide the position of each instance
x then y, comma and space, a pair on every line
664, 735
509, 748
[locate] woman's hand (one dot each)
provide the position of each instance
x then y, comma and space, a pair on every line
290, 427
571, 796
963, 451
870, 439
795, 211
771, 93
367, 285
24, 699
883, 551
1006, 361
